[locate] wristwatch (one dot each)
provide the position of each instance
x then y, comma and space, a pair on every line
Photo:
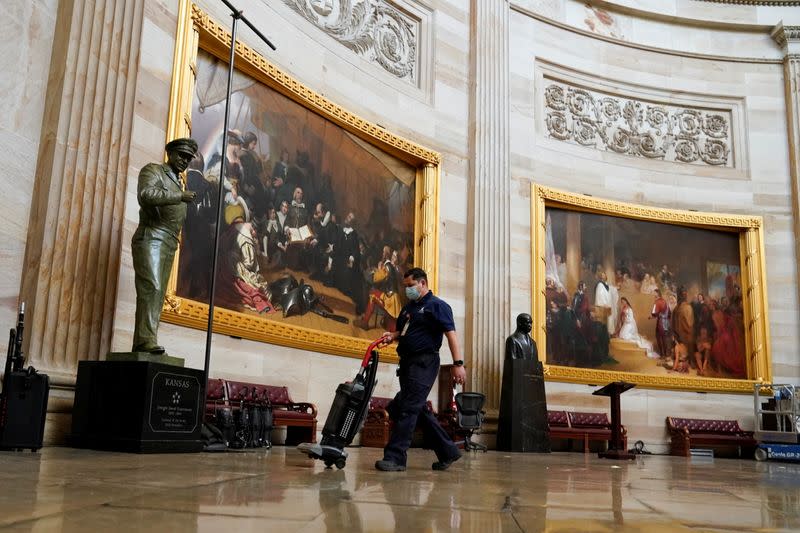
458, 363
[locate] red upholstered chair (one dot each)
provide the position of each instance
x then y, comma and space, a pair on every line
300, 418
378, 424
589, 420
259, 393
687, 433
582, 425
557, 419
238, 392
378, 402
215, 396
699, 425
594, 426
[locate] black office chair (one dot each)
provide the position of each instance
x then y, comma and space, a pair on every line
469, 411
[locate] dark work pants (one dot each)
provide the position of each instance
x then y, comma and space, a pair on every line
407, 410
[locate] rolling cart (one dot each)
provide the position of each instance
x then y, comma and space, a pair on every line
777, 421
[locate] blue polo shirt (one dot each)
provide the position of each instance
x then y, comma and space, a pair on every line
421, 325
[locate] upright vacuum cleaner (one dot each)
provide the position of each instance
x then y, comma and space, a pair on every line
347, 413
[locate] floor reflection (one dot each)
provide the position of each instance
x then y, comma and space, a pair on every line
336, 502
780, 495
63, 489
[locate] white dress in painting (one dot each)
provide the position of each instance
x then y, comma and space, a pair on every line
629, 332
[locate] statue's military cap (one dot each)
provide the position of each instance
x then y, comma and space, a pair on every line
184, 145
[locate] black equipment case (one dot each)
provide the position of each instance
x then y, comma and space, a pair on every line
347, 413
25, 395
23, 405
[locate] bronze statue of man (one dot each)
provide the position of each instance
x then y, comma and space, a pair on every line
520, 345
162, 203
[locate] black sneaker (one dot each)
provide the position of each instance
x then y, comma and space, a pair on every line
389, 466
444, 465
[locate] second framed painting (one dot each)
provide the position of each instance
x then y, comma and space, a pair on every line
658, 297
323, 210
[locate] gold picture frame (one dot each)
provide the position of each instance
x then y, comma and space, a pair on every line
751, 273
197, 30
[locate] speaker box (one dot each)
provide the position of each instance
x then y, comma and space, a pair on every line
26, 407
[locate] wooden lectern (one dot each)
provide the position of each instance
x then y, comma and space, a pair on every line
616, 448
448, 418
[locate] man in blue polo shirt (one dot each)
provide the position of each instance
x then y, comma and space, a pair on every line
420, 326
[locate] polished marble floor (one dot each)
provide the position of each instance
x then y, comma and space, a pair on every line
63, 489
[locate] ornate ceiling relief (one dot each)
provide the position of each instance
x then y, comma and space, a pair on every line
374, 29
637, 128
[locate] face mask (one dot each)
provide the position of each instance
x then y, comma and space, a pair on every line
412, 293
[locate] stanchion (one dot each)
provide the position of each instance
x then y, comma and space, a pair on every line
237, 15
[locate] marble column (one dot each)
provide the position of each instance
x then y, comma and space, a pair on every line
489, 312
74, 234
788, 38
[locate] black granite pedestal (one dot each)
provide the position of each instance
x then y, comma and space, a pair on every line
522, 425
137, 406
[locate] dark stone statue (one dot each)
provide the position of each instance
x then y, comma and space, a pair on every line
520, 345
522, 425
162, 203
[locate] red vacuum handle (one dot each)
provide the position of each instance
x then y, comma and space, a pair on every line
372, 346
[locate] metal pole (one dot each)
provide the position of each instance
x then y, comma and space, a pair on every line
237, 15
220, 203
249, 24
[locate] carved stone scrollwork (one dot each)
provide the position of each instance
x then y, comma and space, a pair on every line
715, 126
637, 128
554, 96
686, 151
557, 125
714, 152
374, 29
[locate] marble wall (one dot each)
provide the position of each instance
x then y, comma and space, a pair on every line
26, 41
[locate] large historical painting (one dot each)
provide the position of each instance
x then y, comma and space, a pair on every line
306, 203
644, 297
653, 299
319, 222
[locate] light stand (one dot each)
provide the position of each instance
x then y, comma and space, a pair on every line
237, 15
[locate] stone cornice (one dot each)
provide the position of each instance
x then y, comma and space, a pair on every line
523, 10
684, 19
771, 3
785, 34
